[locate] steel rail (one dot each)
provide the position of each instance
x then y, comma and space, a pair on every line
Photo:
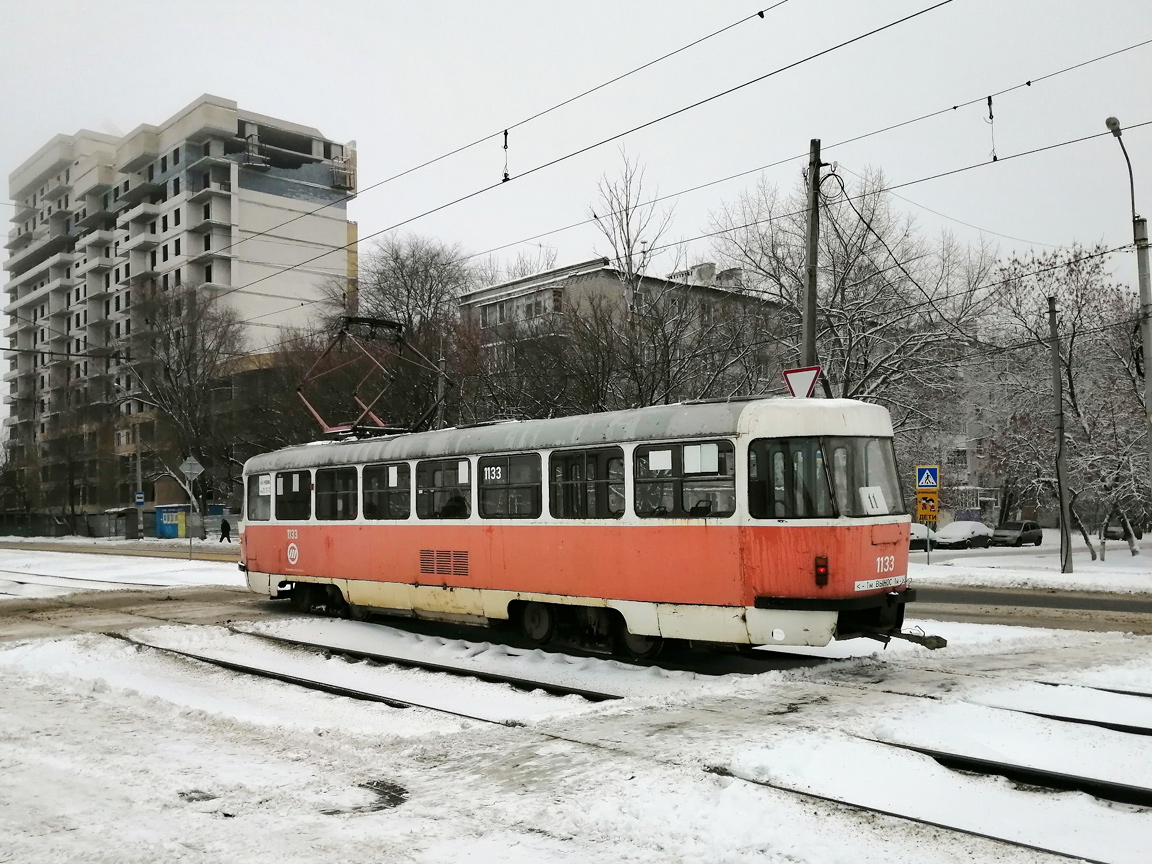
307, 683
721, 771
1123, 793
527, 684
82, 579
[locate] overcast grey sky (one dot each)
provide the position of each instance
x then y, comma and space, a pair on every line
409, 81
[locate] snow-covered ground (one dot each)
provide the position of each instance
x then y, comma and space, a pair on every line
1120, 572
32, 573
114, 752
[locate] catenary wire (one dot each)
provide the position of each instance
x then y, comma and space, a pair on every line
504, 131
572, 154
779, 162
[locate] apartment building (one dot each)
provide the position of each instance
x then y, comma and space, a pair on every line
216, 198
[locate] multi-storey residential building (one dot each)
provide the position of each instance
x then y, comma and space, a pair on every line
215, 197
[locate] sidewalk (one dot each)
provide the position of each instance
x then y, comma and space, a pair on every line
202, 550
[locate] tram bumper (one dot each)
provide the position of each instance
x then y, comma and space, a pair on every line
875, 616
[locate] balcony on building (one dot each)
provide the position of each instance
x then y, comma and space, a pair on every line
139, 242
18, 238
47, 240
96, 180
140, 148
209, 161
138, 190
96, 213
99, 238
22, 211
145, 210
58, 184
209, 190
95, 263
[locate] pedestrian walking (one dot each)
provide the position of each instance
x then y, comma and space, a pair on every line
225, 531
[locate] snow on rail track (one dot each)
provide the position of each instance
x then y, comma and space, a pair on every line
471, 698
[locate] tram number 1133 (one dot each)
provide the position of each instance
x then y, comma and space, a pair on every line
885, 563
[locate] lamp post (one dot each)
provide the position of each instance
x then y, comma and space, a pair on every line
1140, 235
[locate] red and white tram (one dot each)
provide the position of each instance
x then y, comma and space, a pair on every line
762, 522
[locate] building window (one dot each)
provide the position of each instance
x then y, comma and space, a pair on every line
685, 480
176, 278
151, 172
117, 302
336, 494
387, 491
176, 216
207, 272
443, 489
152, 227
510, 486
163, 164
207, 242
175, 186
176, 156
127, 270
127, 299
164, 252
293, 495
152, 259
176, 246
208, 210
164, 279
164, 222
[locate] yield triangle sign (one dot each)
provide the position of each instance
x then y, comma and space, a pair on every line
801, 382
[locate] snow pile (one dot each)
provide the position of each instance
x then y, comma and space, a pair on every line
586, 673
1120, 572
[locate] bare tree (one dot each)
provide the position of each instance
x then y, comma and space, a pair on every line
179, 363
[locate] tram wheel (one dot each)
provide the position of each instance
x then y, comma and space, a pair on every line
302, 597
336, 604
538, 622
634, 645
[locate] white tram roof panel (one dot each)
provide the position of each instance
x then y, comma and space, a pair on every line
770, 418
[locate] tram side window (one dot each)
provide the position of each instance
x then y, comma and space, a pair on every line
787, 479
443, 489
509, 486
387, 492
336, 494
696, 480
293, 495
259, 497
587, 484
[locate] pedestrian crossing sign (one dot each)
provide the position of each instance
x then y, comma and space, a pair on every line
928, 477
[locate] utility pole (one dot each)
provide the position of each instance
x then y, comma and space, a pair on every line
1140, 236
808, 349
139, 487
441, 381
1061, 478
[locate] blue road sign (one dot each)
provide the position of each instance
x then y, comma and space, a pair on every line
928, 477
139, 499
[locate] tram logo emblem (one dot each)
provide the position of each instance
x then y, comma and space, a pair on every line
928, 477
293, 554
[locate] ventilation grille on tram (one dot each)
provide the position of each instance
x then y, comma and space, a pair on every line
443, 562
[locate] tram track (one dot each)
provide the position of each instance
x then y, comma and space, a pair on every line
1098, 788
90, 582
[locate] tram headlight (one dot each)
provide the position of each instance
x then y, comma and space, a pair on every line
821, 570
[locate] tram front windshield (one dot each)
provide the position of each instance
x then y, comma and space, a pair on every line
813, 478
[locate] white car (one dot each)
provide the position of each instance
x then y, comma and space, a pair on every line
963, 535
920, 536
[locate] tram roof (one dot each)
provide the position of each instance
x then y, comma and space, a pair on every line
777, 417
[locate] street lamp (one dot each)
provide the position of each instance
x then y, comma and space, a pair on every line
1140, 235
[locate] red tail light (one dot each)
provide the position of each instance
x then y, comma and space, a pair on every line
821, 570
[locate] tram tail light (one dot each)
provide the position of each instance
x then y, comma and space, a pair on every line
821, 570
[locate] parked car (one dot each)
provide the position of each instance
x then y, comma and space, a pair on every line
1017, 534
920, 536
1115, 531
964, 535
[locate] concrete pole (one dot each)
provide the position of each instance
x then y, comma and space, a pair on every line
441, 382
1140, 233
808, 349
1058, 407
139, 487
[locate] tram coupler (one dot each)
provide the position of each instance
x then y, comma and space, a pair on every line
929, 642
